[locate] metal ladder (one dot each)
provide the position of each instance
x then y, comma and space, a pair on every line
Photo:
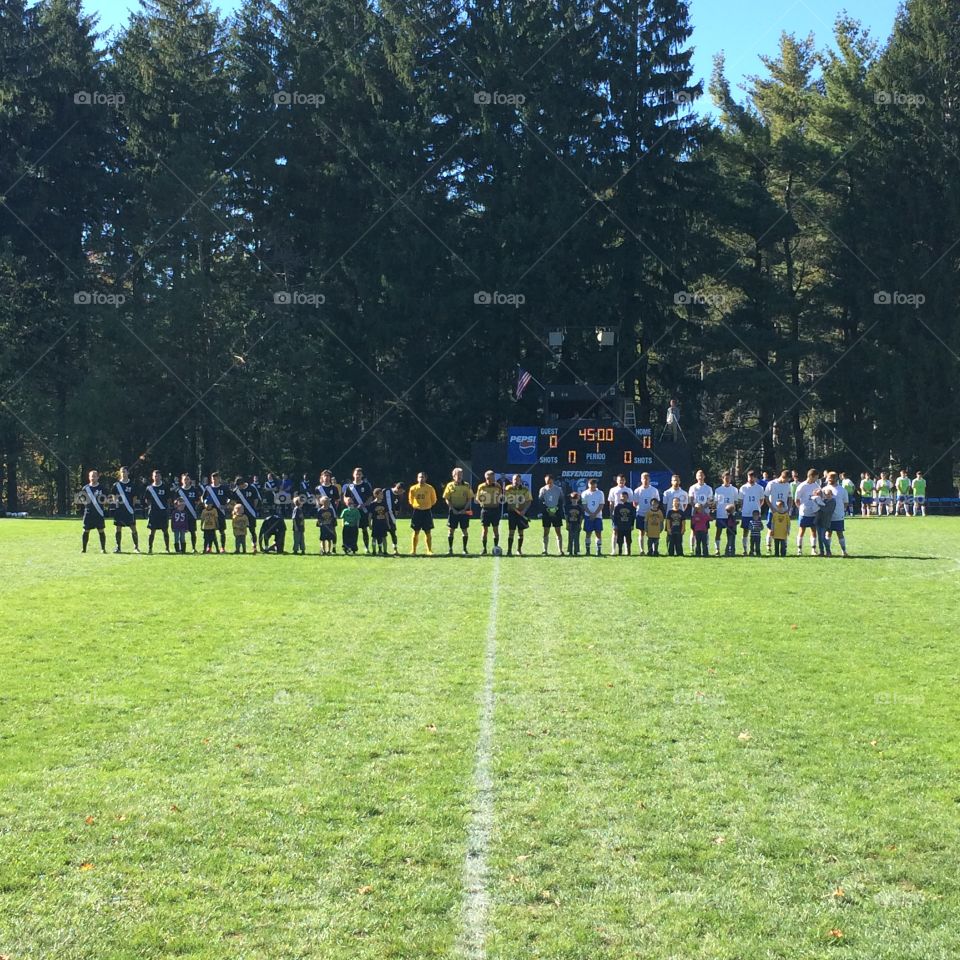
630, 415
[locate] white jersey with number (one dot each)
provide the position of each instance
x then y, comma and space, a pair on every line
592, 501
808, 498
643, 497
700, 493
840, 501
778, 490
751, 495
724, 495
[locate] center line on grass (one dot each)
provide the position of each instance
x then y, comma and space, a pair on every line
476, 898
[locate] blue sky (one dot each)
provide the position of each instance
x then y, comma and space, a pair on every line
744, 29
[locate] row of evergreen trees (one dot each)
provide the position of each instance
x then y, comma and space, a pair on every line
258, 243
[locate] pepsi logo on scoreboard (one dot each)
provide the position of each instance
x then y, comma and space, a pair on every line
522, 445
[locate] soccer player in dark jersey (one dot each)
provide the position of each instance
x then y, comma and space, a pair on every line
246, 495
191, 495
624, 517
123, 511
379, 522
393, 497
362, 492
327, 488
93, 499
216, 494
156, 499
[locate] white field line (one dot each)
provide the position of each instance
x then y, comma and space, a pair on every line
476, 897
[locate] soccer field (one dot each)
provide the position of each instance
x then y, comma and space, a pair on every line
306, 757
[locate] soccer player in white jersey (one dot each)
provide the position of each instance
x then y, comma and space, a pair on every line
643, 496
751, 498
808, 502
700, 493
775, 490
725, 494
675, 491
841, 500
613, 498
592, 500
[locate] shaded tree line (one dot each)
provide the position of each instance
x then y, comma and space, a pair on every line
260, 242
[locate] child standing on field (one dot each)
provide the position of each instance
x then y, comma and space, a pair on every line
327, 522
700, 524
574, 517
731, 548
756, 534
624, 517
351, 517
653, 527
676, 525
298, 520
780, 527
178, 523
380, 522
209, 522
241, 523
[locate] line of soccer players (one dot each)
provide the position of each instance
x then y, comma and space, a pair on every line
360, 510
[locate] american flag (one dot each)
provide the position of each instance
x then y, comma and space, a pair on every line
523, 381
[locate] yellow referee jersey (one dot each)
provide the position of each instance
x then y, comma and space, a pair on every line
422, 496
458, 495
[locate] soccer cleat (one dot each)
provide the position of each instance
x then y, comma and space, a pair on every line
136, 549
429, 553
483, 552
116, 549
543, 552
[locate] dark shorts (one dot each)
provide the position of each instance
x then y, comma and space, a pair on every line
191, 524
516, 521
836, 526
421, 520
364, 520
92, 521
124, 518
641, 522
593, 525
490, 516
745, 523
328, 534
380, 529
552, 520
158, 521
460, 520
808, 522
623, 530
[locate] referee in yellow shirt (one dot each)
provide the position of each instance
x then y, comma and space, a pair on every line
422, 498
459, 499
490, 497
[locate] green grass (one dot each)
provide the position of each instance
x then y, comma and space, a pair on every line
212, 757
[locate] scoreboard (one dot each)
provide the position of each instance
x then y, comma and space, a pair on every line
573, 454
